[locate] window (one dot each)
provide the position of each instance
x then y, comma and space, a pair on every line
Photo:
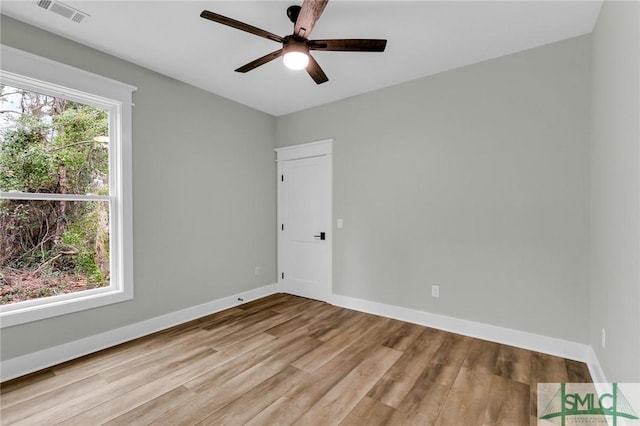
65, 189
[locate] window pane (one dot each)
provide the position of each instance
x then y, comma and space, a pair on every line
52, 247
52, 145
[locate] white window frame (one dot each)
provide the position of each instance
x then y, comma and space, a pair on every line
31, 72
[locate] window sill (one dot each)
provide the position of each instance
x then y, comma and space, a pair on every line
34, 310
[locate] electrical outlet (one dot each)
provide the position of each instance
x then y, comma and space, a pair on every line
603, 338
435, 291
256, 271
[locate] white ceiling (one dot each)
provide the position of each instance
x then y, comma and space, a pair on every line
424, 38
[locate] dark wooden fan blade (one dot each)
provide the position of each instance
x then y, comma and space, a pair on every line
316, 72
260, 61
240, 26
309, 14
348, 45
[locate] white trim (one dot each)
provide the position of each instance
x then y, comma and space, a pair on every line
522, 339
43, 308
43, 75
14, 195
305, 150
65, 76
597, 374
35, 361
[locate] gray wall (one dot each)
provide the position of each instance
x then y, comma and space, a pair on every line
615, 194
204, 196
480, 180
476, 180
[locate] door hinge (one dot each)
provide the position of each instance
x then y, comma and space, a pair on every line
283, 275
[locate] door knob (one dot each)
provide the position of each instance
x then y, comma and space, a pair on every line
321, 236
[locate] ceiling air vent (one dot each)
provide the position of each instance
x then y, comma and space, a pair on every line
63, 10
44, 4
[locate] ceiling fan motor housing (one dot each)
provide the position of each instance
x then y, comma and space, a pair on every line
294, 43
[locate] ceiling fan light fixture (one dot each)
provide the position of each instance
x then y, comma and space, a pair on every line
296, 47
296, 55
296, 60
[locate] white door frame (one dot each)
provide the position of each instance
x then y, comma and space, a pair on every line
296, 152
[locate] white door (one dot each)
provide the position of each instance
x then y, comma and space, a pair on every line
304, 220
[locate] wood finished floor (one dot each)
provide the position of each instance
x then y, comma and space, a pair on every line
287, 360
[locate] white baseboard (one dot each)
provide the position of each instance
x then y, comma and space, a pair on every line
19, 366
45, 358
597, 374
507, 336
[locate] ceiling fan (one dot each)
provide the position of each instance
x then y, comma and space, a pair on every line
295, 47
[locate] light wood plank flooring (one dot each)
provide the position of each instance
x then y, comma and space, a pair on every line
287, 360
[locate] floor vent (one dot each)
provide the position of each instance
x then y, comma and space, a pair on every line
63, 10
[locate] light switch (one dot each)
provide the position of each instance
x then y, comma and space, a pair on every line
339, 223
